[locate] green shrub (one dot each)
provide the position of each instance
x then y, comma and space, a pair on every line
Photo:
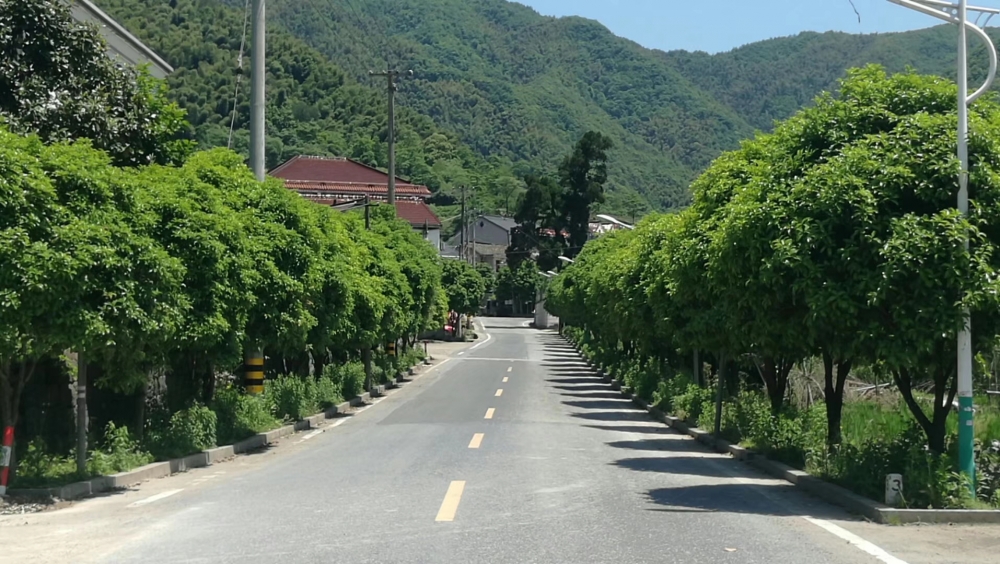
689, 404
185, 432
292, 397
118, 452
40, 469
349, 378
241, 415
668, 390
328, 392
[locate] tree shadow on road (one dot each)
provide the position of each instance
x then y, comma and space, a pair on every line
620, 403
589, 395
676, 444
649, 429
758, 499
574, 380
623, 415
690, 465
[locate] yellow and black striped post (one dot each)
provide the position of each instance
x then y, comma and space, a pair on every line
253, 371
390, 348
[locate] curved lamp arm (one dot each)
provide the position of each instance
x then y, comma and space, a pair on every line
945, 11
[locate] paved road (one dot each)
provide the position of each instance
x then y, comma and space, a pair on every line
511, 452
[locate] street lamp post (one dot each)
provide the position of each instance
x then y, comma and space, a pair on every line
958, 13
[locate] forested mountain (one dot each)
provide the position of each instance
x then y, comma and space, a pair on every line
772, 79
500, 90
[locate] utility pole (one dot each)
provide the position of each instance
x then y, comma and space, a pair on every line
253, 354
391, 76
461, 252
257, 52
473, 257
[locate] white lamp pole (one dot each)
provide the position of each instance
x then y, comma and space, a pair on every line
958, 13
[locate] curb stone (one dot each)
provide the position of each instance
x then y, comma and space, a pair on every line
122, 480
817, 487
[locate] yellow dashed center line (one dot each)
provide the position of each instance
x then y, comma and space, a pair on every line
505, 379
451, 500
477, 440
489, 413
499, 393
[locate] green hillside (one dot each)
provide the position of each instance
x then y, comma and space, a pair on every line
772, 79
500, 90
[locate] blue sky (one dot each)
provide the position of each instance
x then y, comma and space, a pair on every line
721, 25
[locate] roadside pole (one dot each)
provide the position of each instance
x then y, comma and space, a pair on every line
958, 13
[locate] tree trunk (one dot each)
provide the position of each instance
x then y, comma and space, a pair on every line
81, 414
834, 396
775, 372
208, 389
139, 425
944, 395
319, 362
366, 356
720, 382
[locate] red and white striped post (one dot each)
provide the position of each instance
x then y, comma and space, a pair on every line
5, 456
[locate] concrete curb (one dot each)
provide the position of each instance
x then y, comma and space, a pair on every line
817, 487
100, 484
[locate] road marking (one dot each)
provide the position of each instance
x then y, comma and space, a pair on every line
499, 393
477, 440
313, 434
488, 337
489, 413
509, 368
505, 379
157, 497
461, 353
857, 541
451, 500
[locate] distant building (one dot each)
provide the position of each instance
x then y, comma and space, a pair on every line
121, 44
488, 236
335, 180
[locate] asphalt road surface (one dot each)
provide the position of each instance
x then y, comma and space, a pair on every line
510, 452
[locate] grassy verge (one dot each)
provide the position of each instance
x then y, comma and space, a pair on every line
232, 417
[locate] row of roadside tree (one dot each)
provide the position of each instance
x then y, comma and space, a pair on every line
837, 238
136, 264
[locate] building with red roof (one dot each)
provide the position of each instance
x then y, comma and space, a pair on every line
336, 180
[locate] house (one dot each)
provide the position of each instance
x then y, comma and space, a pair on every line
121, 44
335, 180
488, 236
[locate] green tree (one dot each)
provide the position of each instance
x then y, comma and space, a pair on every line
58, 81
464, 285
582, 175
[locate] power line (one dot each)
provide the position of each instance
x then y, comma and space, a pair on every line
239, 77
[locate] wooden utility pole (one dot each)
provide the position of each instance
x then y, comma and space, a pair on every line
391, 76
461, 251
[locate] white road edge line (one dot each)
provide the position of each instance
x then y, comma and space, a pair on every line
311, 435
855, 540
488, 337
157, 497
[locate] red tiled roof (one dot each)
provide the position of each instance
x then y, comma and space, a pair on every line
415, 212
355, 188
330, 169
